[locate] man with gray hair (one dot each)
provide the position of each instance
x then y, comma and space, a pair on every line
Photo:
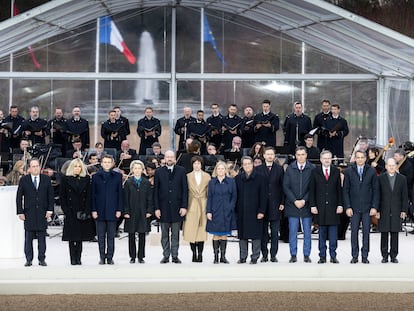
325, 200
181, 127
392, 209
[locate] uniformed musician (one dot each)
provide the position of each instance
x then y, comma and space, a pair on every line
181, 127
149, 129
112, 131
215, 122
296, 126
77, 128
266, 124
231, 126
34, 128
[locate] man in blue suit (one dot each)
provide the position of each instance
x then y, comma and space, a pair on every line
170, 203
106, 194
360, 197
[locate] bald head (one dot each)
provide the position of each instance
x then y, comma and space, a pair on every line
391, 166
169, 158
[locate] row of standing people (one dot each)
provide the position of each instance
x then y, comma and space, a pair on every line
250, 203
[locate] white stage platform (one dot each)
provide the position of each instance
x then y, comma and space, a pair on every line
59, 277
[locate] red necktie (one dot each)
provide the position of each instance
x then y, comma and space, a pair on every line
326, 174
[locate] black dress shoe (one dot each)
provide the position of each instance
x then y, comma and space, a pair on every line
273, 259
42, 263
293, 259
240, 261
264, 259
253, 261
394, 260
109, 261
176, 260
79, 262
365, 260
140, 260
28, 264
132, 260
334, 260
307, 259
102, 261
384, 260
322, 260
354, 260
165, 260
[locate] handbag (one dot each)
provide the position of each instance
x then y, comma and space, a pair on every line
82, 215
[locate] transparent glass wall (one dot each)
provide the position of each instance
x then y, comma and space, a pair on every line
398, 99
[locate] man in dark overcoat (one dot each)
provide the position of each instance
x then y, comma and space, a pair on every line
250, 209
34, 203
273, 175
325, 200
106, 207
392, 209
360, 198
170, 204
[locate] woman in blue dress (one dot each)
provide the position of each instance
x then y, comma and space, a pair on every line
221, 201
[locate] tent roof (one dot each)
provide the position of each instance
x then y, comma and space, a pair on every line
338, 32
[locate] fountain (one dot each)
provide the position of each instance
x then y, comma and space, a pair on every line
146, 91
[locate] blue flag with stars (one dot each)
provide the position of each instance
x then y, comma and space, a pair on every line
208, 37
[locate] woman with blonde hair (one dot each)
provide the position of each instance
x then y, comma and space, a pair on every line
194, 226
138, 208
75, 203
14, 176
221, 202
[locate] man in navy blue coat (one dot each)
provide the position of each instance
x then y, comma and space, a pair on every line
107, 205
34, 203
170, 203
361, 198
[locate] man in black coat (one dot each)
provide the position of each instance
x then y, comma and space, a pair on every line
170, 204
34, 128
296, 126
181, 127
215, 123
404, 167
250, 209
266, 124
273, 174
360, 197
34, 203
392, 209
57, 130
17, 121
231, 126
200, 130
112, 131
320, 123
148, 129
247, 128
325, 199
77, 128
337, 127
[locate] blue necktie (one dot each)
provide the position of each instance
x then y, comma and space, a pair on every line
35, 182
360, 173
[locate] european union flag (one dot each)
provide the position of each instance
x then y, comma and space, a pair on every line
208, 37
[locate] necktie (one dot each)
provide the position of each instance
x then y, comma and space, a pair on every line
326, 174
301, 168
35, 182
360, 173
269, 168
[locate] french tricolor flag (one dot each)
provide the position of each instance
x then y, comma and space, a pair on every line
109, 34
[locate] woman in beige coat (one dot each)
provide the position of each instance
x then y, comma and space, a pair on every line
194, 227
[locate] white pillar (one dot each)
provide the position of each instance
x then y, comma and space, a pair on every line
382, 111
173, 85
411, 112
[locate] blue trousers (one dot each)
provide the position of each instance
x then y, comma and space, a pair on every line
41, 244
106, 238
293, 235
330, 232
366, 224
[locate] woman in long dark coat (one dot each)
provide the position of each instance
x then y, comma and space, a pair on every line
75, 203
221, 201
138, 208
